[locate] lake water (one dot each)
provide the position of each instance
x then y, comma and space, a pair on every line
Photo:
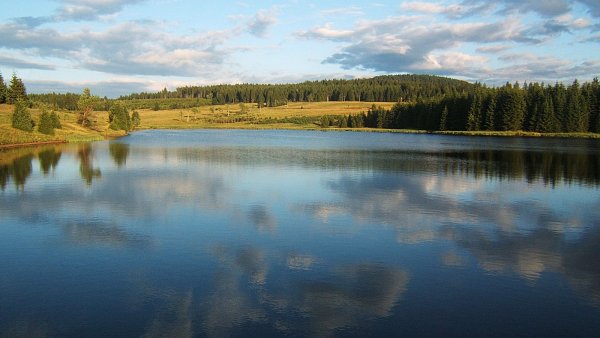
269, 233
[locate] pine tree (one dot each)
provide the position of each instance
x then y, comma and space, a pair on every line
16, 90
21, 118
46, 125
55, 120
3, 90
594, 105
444, 119
135, 119
510, 108
576, 114
86, 105
474, 115
559, 98
548, 122
490, 114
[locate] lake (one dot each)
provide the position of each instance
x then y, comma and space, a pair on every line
300, 233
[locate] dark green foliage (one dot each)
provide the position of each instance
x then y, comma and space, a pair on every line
119, 118
21, 118
66, 101
576, 114
510, 108
490, 113
3, 90
86, 166
533, 107
389, 88
475, 112
593, 95
444, 119
16, 90
46, 125
135, 119
48, 159
119, 152
548, 122
55, 120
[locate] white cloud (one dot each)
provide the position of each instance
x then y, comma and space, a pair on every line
261, 22
346, 11
129, 48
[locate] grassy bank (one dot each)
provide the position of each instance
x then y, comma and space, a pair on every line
303, 116
70, 131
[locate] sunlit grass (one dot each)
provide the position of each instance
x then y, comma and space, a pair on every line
70, 131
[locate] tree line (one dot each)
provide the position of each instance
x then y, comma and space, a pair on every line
388, 88
532, 107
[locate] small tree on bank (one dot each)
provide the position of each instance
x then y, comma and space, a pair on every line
21, 118
46, 125
86, 105
118, 118
16, 91
3, 90
55, 120
135, 119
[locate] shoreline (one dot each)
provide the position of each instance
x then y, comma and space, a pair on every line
30, 144
363, 130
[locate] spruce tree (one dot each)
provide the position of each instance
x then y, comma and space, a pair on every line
510, 108
55, 120
135, 119
444, 119
46, 125
548, 122
3, 90
490, 114
474, 115
21, 118
16, 90
576, 114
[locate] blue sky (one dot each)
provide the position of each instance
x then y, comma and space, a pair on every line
117, 47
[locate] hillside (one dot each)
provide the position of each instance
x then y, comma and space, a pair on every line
388, 88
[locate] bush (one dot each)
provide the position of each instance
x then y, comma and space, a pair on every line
21, 118
46, 125
55, 120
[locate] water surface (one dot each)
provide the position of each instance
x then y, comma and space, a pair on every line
262, 233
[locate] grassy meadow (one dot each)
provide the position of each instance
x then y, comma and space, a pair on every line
297, 115
70, 131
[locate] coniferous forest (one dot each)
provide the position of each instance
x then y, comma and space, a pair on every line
424, 102
532, 107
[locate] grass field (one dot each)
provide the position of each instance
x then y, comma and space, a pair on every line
70, 131
292, 116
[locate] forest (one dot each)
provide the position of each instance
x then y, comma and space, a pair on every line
423, 102
387, 88
532, 107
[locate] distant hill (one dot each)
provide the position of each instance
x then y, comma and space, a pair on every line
387, 88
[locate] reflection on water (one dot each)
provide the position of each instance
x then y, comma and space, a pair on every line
86, 165
119, 152
261, 233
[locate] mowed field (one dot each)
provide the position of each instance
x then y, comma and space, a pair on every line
298, 115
